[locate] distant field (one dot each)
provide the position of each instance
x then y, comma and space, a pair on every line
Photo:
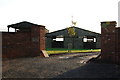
58, 51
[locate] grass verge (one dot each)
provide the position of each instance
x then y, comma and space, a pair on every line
59, 51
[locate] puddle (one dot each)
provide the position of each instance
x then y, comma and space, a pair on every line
63, 57
83, 62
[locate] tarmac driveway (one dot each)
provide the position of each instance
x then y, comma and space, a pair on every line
59, 66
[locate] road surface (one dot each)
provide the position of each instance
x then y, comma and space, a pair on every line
59, 66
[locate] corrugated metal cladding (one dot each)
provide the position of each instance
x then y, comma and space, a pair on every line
83, 39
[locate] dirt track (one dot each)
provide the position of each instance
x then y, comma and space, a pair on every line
56, 66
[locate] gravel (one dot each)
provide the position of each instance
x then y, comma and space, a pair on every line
58, 66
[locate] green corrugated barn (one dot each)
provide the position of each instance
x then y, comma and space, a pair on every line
83, 39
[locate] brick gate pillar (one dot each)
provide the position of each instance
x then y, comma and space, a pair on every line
108, 41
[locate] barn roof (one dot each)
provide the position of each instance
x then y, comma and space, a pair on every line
77, 28
24, 25
88, 30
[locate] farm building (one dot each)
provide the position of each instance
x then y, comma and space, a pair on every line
27, 40
83, 39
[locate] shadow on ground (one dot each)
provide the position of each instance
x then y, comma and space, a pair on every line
93, 70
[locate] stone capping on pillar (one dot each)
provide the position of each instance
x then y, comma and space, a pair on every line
107, 23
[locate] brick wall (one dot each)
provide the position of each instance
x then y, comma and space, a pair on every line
23, 44
15, 44
110, 42
42, 38
118, 44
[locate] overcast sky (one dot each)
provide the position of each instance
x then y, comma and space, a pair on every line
57, 14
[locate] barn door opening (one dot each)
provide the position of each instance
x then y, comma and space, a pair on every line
89, 42
58, 43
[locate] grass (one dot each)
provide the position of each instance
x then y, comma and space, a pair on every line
58, 50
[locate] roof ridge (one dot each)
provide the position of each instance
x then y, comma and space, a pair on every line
75, 27
26, 22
